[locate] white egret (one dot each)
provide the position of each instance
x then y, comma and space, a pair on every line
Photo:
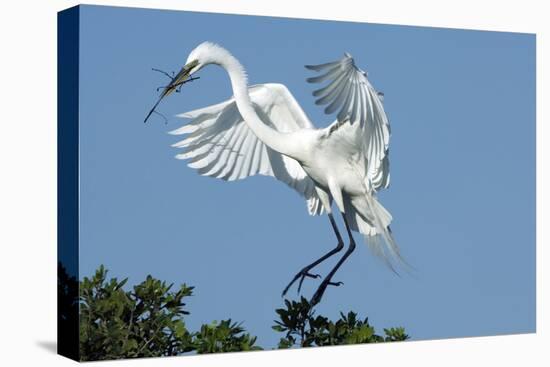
263, 130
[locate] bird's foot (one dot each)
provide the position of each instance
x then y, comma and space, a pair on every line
302, 274
321, 290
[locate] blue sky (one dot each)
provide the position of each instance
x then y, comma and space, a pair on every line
462, 109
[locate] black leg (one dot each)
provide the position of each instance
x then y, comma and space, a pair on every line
328, 280
302, 274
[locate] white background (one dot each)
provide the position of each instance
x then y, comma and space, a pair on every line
28, 261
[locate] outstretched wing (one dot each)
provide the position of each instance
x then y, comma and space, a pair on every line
359, 112
218, 142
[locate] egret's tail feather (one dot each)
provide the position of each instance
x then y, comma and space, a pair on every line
367, 216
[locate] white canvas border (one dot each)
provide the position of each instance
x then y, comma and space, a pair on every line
28, 185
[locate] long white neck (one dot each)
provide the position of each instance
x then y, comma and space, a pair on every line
276, 140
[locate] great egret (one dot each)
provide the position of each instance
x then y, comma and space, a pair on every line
262, 130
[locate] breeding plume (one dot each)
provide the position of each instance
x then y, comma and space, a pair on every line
262, 130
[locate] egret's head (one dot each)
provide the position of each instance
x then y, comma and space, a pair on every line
204, 54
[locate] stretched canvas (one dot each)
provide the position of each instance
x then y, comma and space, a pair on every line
215, 195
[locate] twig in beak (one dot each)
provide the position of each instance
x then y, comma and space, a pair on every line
173, 86
165, 73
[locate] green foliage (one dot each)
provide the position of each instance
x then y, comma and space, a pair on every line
223, 337
146, 322
302, 328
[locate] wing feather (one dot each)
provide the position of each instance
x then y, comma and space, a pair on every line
218, 143
357, 105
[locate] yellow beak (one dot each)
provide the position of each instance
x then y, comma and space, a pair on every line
179, 79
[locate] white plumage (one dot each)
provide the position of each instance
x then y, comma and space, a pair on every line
350, 93
219, 143
263, 130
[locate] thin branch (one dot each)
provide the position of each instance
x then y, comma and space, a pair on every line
163, 72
